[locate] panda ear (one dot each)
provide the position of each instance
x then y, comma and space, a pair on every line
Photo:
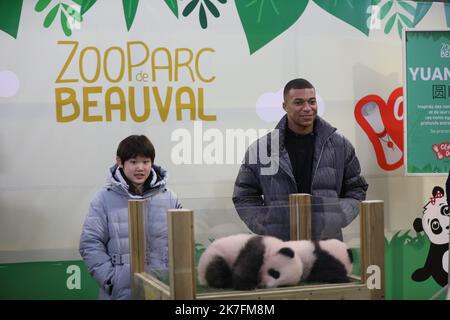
288, 252
436, 190
418, 225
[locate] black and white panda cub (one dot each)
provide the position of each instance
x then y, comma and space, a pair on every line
235, 262
323, 261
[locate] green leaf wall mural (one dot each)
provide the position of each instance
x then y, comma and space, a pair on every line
10, 16
202, 16
86, 5
421, 11
354, 12
41, 5
403, 13
51, 16
264, 20
173, 5
65, 23
129, 11
70, 13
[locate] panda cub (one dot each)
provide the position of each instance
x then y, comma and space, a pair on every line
235, 262
323, 261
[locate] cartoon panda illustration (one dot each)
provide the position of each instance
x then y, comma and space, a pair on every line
435, 224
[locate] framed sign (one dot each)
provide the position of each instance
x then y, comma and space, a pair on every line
427, 101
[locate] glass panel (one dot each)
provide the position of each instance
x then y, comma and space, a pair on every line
221, 219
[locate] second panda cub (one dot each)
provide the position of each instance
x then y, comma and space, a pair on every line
323, 261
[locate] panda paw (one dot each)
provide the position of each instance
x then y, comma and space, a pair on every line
421, 274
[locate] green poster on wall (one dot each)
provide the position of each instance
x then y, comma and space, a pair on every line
427, 98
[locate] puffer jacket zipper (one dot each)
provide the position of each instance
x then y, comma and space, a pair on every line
318, 161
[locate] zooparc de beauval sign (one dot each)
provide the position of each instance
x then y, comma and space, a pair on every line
126, 70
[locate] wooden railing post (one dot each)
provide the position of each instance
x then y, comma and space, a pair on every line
181, 254
372, 247
136, 234
137, 242
300, 216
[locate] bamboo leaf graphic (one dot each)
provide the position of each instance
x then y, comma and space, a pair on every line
413, 15
212, 8
173, 5
86, 5
399, 28
390, 24
408, 7
190, 7
10, 12
421, 10
41, 5
51, 16
65, 24
385, 9
129, 10
73, 13
353, 12
264, 20
405, 20
202, 17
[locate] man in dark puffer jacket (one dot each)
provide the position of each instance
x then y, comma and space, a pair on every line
310, 157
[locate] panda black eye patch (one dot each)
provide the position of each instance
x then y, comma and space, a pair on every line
444, 210
274, 273
436, 226
287, 252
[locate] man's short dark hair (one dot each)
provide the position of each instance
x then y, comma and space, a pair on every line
296, 84
135, 145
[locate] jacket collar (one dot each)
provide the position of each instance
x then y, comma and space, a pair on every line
117, 182
322, 129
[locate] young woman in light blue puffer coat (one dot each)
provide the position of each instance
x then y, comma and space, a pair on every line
104, 242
